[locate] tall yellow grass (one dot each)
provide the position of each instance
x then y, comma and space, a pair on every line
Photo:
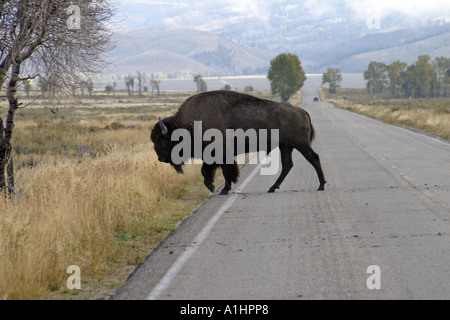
69, 213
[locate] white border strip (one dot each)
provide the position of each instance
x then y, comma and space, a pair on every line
170, 275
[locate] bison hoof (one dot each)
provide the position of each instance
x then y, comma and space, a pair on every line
224, 192
211, 187
321, 188
272, 190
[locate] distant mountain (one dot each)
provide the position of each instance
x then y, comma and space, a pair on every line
185, 51
406, 51
234, 37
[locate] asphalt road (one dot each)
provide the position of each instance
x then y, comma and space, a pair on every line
386, 204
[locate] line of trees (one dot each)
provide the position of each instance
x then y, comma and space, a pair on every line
135, 84
52, 85
140, 79
424, 78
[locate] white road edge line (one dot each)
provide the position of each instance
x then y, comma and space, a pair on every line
422, 135
170, 275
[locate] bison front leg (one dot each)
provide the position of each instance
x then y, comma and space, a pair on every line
287, 164
208, 173
231, 174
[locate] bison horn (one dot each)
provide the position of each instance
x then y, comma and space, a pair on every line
164, 129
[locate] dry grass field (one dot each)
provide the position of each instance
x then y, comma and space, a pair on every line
89, 192
431, 115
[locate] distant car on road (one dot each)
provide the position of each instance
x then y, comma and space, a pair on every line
316, 99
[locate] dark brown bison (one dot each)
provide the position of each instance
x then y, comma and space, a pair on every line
224, 110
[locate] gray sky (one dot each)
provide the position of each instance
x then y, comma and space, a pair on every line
417, 9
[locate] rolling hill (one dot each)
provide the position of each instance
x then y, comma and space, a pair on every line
173, 51
408, 52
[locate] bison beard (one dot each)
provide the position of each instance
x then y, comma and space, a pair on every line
224, 110
178, 168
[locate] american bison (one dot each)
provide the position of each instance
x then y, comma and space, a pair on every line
224, 110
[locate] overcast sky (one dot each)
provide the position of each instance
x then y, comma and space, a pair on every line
414, 8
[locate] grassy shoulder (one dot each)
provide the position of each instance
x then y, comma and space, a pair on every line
431, 115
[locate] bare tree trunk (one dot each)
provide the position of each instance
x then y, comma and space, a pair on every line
6, 164
2, 156
140, 80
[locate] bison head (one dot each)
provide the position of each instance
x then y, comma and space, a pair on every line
160, 137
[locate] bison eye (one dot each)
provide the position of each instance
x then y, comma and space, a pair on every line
165, 144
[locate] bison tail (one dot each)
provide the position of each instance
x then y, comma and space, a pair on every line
313, 133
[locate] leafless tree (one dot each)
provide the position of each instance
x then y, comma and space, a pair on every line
129, 82
47, 37
140, 79
155, 86
201, 84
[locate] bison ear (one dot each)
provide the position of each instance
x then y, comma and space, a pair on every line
164, 129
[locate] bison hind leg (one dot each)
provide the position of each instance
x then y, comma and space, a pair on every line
231, 175
314, 159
